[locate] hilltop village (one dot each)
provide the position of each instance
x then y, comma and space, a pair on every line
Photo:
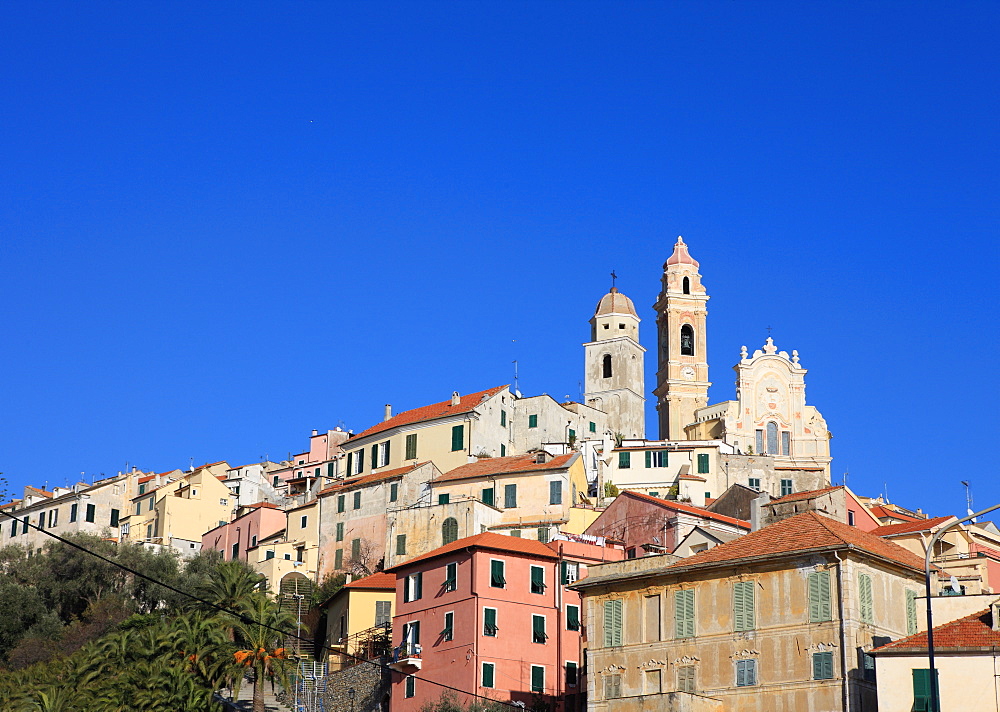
549, 554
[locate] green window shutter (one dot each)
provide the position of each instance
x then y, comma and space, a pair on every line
571, 674
572, 435
515, 533
457, 437
357, 499
269, 554
503, 419
92, 510
374, 456
388, 451
401, 545
819, 597
537, 579
702, 463
922, 690
743, 605
572, 617
488, 496
822, 666
509, 496
532, 421
543, 534
338, 559
613, 623
150, 508
443, 499
487, 675
355, 548
449, 530
340, 503
490, 622
73, 510
538, 629
503, 450
649, 458
316, 472
865, 594
451, 577
592, 427
684, 613
114, 517
555, 492
340, 531
537, 679
496, 574
911, 612
624, 460
411, 446
393, 491
330, 469
350, 465
449, 626
411, 685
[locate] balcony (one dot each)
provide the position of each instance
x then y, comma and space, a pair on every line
406, 658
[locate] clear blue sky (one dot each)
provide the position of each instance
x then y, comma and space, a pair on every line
224, 224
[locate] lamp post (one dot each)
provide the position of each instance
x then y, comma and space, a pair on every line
927, 589
351, 692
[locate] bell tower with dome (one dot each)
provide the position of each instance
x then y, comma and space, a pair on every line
613, 369
682, 361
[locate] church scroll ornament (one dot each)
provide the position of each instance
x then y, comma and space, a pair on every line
687, 660
652, 664
744, 654
612, 670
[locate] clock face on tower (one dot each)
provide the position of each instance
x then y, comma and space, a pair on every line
688, 373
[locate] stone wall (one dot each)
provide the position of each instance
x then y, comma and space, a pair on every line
371, 687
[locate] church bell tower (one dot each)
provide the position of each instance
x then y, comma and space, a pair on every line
682, 370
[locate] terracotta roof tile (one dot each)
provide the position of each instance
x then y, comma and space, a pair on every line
879, 511
430, 412
973, 631
42, 492
486, 466
487, 540
808, 494
910, 527
381, 581
802, 533
688, 509
352, 482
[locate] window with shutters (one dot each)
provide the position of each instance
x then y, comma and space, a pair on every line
451, 577
555, 492
457, 437
515, 533
269, 554
686, 680
383, 454
911, 611
786, 442
375, 456
572, 617
341, 503
684, 613
411, 686
572, 673
490, 622
340, 531
537, 579
786, 487
652, 682
444, 498
867, 664
612, 687
613, 623
624, 460
330, 472
411, 446
303, 521
865, 595
449, 530
503, 419
538, 629
413, 587
754, 483
570, 572
651, 614
92, 511
114, 517
497, 579
743, 605
746, 673
532, 421
236, 551
74, 508
703, 463
922, 690
503, 450
357, 499
488, 496
401, 545
820, 609
338, 558
509, 496
537, 679
543, 534
592, 426
383, 613
448, 632
355, 549
772, 438
656, 458
488, 674
823, 666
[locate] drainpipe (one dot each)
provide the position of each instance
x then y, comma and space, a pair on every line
845, 690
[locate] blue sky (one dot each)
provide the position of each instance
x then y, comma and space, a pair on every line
225, 224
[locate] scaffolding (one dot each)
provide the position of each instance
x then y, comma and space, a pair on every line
310, 686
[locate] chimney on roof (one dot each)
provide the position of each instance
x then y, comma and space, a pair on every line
388, 411
755, 507
455, 399
315, 432
541, 457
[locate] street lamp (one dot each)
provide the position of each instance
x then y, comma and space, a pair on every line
351, 692
927, 588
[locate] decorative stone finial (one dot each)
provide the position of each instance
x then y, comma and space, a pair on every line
795, 357
769, 347
743, 352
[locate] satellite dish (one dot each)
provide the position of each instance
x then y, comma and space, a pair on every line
956, 587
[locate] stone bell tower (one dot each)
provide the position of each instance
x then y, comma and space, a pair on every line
682, 371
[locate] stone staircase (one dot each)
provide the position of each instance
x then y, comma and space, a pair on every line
244, 701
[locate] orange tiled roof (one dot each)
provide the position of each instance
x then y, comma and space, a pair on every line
486, 466
879, 511
430, 412
381, 581
973, 631
42, 492
910, 527
147, 478
352, 482
487, 540
688, 509
802, 533
808, 494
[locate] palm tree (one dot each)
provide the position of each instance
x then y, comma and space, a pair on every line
232, 583
259, 640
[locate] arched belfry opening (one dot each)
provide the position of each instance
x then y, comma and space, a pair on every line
606, 366
687, 340
687, 285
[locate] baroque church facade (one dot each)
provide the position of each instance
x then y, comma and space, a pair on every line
769, 416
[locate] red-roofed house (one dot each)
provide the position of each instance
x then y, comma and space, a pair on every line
838, 503
781, 618
359, 619
966, 656
491, 614
649, 525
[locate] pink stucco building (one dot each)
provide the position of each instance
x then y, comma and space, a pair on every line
254, 522
490, 614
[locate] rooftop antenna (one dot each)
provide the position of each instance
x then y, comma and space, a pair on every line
847, 473
579, 385
885, 491
968, 497
517, 392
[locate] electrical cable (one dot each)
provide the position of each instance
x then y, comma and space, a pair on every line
245, 619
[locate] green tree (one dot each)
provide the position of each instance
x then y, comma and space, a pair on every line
260, 644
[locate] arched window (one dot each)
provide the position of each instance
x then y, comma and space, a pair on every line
606, 366
687, 285
687, 340
449, 530
772, 438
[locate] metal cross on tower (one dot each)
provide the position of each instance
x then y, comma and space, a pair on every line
613, 278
